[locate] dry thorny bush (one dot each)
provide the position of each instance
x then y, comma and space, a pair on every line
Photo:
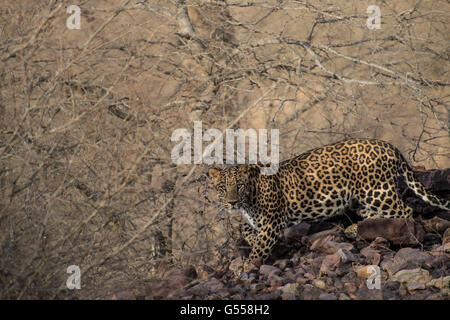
86, 175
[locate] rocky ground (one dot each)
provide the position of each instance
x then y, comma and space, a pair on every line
319, 262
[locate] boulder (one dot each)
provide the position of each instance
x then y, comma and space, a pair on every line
409, 258
397, 231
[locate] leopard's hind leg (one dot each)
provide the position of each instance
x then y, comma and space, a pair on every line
380, 203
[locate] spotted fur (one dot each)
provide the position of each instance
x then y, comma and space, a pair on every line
316, 185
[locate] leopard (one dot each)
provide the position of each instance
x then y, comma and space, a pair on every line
316, 185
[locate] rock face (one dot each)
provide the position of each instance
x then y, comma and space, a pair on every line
409, 259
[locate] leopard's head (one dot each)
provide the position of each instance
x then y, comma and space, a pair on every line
232, 185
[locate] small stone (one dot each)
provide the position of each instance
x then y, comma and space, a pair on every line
309, 276
317, 262
213, 285
343, 296
288, 296
295, 233
299, 270
253, 265
441, 283
328, 246
319, 284
310, 292
364, 293
436, 225
300, 279
334, 232
366, 271
417, 275
267, 270
256, 287
274, 295
199, 290
222, 294
346, 256
350, 287
402, 291
275, 281
236, 265
330, 263
379, 242
411, 286
203, 271
320, 245
386, 265
445, 248
372, 256
327, 296
282, 264
239, 296
290, 288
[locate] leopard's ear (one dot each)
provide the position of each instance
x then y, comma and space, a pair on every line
214, 174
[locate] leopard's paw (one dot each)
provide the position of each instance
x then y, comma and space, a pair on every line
351, 231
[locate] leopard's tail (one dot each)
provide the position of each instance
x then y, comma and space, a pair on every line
418, 188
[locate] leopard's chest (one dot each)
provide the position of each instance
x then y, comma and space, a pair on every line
248, 216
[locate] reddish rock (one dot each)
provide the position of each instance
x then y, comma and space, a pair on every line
236, 264
334, 233
436, 225
330, 263
256, 287
267, 270
290, 288
327, 296
409, 258
350, 287
282, 263
310, 292
364, 293
300, 279
295, 233
372, 256
379, 243
387, 264
309, 276
329, 246
397, 231
274, 280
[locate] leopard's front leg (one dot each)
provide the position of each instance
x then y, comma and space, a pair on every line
266, 238
249, 234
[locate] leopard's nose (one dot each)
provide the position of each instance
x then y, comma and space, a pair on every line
233, 203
